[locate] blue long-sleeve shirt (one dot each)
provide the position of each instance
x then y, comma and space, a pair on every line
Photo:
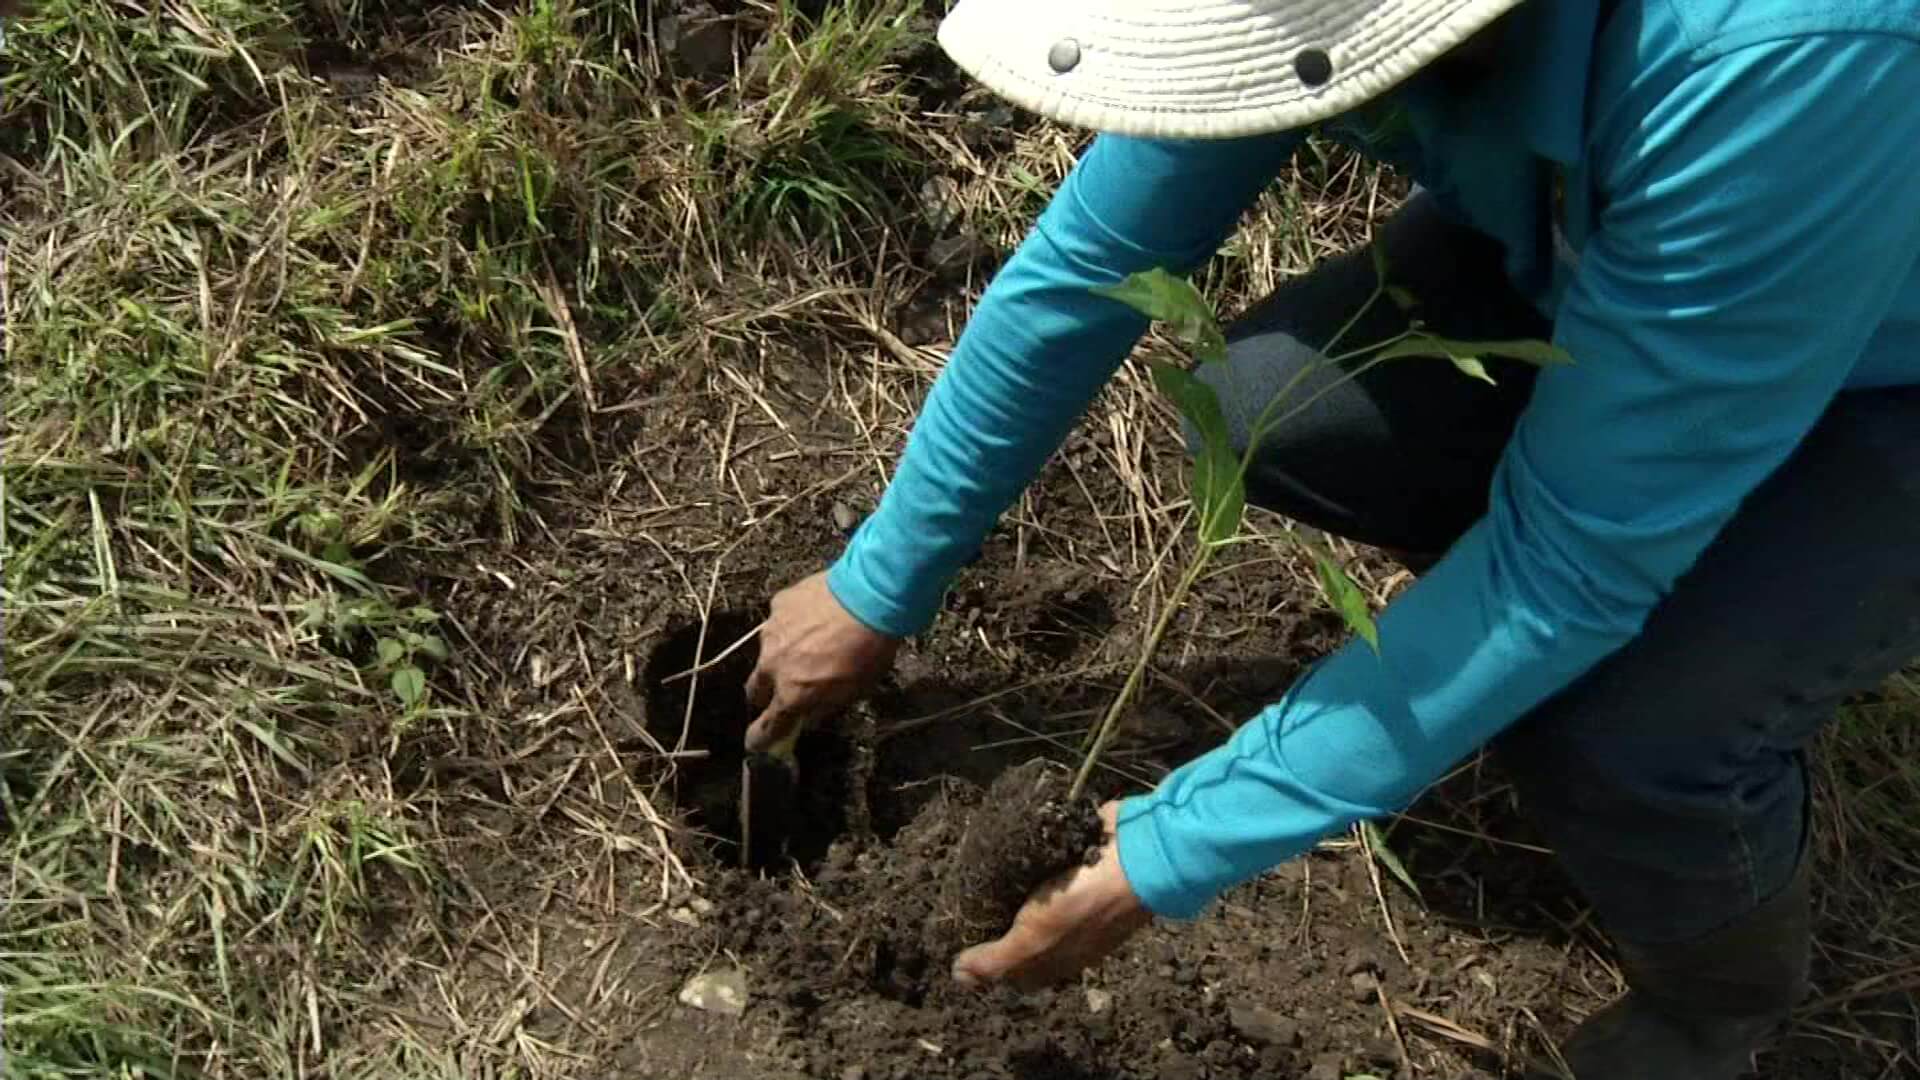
1740, 241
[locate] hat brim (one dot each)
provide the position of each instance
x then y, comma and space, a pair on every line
1204, 68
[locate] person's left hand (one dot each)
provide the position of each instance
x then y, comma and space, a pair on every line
1069, 924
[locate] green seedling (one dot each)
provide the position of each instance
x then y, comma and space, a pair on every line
404, 642
1219, 493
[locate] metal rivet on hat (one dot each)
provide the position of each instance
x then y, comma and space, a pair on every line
1064, 56
1313, 66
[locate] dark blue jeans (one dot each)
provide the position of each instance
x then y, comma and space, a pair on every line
1671, 779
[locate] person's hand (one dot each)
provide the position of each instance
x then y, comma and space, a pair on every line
1071, 923
815, 657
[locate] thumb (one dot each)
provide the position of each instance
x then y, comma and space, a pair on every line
775, 723
989, 963
760, 686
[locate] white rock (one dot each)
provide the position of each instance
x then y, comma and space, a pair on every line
723, 990
1098, 1001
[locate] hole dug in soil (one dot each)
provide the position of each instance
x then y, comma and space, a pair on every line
793, 818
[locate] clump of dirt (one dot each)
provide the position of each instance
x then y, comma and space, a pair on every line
888, 918
1022, 835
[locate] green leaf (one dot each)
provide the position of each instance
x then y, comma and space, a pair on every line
435, 646
1377, 843
1219, 492
1219, 495
1530, 351
1473, 368
1347, 599
1173, 300
390, 651
409, 685
321, 524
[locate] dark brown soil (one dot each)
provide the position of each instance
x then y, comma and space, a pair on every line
846, 940
1021, 835
1291, 977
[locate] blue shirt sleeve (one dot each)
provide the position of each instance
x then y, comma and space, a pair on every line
1037, 349
1758, 222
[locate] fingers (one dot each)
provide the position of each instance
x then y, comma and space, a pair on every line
1010, 959
1067, 925
760, 686
775, 723
766, 728
1025, 959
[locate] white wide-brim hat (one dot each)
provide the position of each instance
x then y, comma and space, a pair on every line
1197, 69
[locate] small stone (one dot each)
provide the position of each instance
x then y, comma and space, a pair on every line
701, 905
1098, 1001
722, 991
1325, 1068
1262, 1026
684, 916
1364, 985
1379, 1050
844, 517
707, 50
940, 203
1181, 1068
923, 323
854, 1072
954, 254
759, 64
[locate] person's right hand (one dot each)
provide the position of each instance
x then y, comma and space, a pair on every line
815, 657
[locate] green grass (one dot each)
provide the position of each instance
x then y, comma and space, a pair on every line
282, 347
271, 342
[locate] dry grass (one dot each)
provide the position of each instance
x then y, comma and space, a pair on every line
331, 364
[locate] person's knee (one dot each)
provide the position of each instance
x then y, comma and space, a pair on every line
1250, 377
1635, 778
1561, 770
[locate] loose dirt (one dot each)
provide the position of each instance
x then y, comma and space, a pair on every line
905, 846
843, 923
